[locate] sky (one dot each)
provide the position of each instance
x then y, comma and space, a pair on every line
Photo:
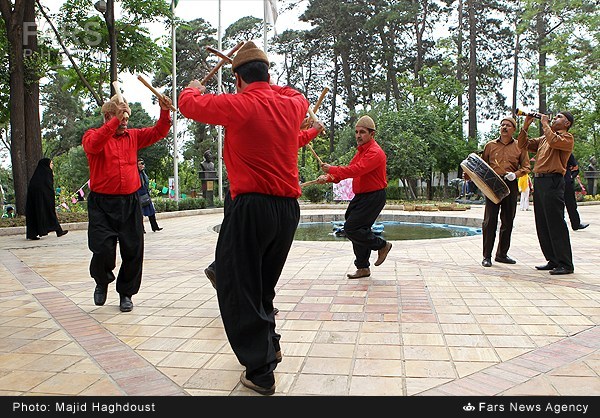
231, 11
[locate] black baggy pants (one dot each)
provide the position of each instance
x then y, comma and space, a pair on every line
112, 219
362, 212
549, 210
507, 209
254, 241
571, 204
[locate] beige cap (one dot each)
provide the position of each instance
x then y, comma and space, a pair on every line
249, 52
511, 120
366, 122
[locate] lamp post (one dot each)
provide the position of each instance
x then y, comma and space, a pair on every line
107, 8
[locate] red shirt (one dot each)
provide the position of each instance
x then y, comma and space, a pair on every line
367, 169
113, 159
262, 136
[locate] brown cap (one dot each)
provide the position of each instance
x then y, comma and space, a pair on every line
249, 52
511, 120
366, 122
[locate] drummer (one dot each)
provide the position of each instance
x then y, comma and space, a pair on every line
510, 162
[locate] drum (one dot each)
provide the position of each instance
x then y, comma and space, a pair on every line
490, 183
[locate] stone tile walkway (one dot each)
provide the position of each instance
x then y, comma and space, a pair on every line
429, 321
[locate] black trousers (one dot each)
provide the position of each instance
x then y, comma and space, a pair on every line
571, 204
362, 212
254, 241
112, 219
153, 223
549, 210
507, 209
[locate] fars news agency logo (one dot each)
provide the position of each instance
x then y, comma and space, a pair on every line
468, 407
89, 34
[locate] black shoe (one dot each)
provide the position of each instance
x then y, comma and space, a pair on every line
126, 304
212, 276
61, 233
581, 226
547, 266
100, 295
505, 260
487, 262
33, 238
157, 229
561, 270
275, 311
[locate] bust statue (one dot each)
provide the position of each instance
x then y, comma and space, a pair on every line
592, 165
207, 164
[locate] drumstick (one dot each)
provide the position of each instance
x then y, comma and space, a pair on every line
153, 90
221, 63
119, 96
318, 104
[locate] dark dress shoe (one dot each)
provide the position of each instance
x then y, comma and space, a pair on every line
366, 272
547, 266
157, 229
487, 262
126, 304
561, 270
275, 311
100, 295
33, 238
251, 385
212, 276
382, 253
581, 226
505, 260
61, 233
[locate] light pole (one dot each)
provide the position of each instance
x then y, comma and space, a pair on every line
107, 8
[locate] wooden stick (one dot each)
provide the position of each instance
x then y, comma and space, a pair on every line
310, 147
153, 90
221, 63
318, 104
119, 95
219, 54
308, 183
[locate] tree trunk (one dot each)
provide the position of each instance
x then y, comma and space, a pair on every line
541, 36
472, 71
459, 62
333, 102
25, 143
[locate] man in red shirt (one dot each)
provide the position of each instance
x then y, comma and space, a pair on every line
261, 143
114, 212
368, 171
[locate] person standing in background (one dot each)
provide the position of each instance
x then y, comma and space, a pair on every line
524, 189
570, 198
40, 206
144, 195
552, 150
504, 156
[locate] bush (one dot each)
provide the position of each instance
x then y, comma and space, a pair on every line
192, 203
315, 193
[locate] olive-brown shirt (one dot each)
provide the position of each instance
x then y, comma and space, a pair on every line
552, 150
506, 158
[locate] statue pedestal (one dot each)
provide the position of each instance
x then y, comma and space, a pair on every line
592, 182
208, 178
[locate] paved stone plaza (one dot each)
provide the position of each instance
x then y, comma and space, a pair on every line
429, 321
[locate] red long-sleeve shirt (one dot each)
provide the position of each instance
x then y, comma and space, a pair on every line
261, 135
113, 159
367, 169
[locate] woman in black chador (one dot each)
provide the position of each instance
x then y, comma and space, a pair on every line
40, 209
